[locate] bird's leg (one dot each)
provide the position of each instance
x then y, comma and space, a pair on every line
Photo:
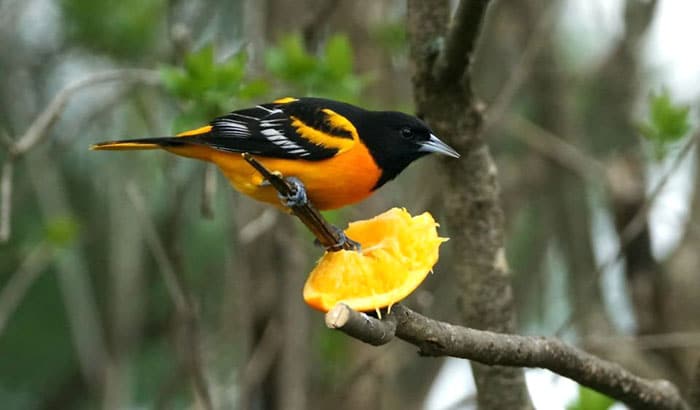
297, 197
292, 194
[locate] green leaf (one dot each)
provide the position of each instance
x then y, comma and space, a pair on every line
173, 79
338, 56
329, 74
207, 88
200, 63
254, 89
61, 231
589, 399
666, 124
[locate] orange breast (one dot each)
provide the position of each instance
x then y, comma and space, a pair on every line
332, 183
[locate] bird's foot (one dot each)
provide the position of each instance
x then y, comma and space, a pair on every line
344, 242
298, 196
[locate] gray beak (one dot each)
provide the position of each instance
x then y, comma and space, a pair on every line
435, 145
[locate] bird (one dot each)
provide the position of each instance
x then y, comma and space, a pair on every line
336, 153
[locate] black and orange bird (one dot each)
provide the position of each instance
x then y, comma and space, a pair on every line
339, 152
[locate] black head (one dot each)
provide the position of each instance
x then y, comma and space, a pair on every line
397, 139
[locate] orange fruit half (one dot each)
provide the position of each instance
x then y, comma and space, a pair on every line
398, 252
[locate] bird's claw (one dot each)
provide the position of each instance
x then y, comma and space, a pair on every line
344, 242
298, 196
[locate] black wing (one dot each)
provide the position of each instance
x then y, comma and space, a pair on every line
296, 129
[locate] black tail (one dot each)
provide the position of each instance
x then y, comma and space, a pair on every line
137, 144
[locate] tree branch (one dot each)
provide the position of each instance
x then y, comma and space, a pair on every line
435, 338
361, 326
455, 58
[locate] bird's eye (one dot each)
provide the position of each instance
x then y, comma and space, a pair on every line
406, 133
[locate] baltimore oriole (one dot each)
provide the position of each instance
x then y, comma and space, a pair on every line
340, 152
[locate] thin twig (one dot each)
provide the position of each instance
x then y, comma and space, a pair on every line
435, 338
636, 224
186, 313
258, 226
165, 265
190, 342
71, 271
15, 289
6, 199
206, 208
556, 149
39, 128
260, 361
521, 70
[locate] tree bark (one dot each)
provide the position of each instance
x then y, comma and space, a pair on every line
444, 98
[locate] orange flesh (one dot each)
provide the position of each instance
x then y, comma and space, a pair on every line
398, 252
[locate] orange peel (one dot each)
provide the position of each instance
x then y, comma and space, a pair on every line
398, 252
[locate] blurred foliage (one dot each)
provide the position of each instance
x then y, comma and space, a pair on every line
591, 400
328, 75
333, 350
667, 124
125, 29
392, 37
207, 88
61, 231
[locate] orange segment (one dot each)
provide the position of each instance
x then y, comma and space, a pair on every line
398, 252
